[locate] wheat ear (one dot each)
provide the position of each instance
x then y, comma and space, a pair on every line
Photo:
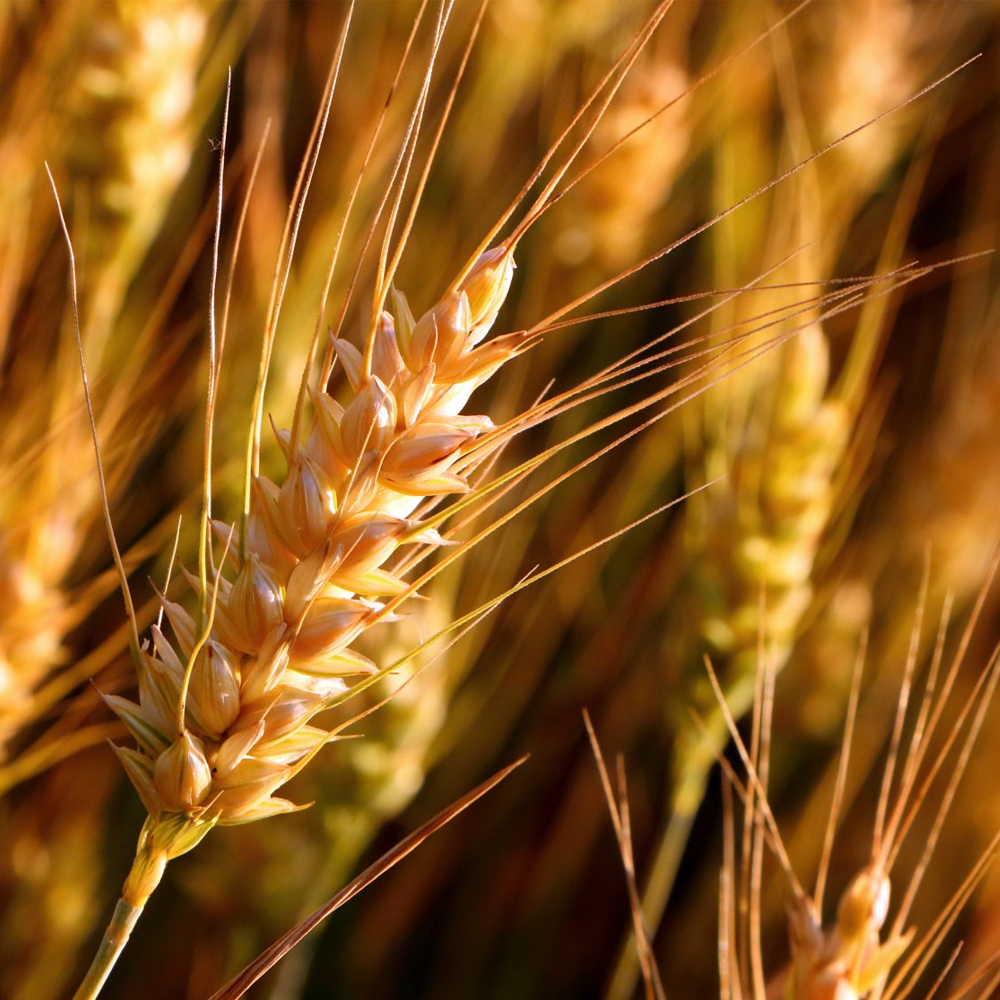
224, 712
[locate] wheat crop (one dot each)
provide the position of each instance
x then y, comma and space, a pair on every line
718, 296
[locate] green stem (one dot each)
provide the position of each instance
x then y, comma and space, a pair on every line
151, 858
114, 941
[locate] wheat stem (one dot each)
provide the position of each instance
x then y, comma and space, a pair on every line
150, 862
115, 938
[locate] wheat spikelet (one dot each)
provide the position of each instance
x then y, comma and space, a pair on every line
759, 535
32, 619
869, 54
791, 446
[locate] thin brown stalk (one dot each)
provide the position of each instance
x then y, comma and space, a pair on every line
274, 954
729, 975
768, 669
620, 820
836, 803
902, 704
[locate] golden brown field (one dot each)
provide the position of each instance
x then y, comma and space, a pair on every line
603, 387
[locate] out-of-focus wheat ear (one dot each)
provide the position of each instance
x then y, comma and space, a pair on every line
763, 189
860, 49
131, 133
652, 165
268, 959
765, 557
105, 506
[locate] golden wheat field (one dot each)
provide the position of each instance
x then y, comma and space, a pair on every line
499, 499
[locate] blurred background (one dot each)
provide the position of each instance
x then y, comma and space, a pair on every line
843, 460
